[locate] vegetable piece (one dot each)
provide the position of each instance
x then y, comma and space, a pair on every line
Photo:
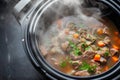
100, 31
72, 44
92, 69
86, 66
115, 47
77, 52
116, 33
97, 57
115, 58
101, 43
87, 48
106, 68
83, 45
106, 53
76, 35
63, 64
75, 49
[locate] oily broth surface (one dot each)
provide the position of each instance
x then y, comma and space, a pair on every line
56, 31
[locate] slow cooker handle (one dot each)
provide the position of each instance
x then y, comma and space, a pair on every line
115, 4
24, 8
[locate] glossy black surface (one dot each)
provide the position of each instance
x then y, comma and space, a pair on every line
14, 63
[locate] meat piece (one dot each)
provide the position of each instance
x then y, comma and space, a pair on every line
103, 60
83, 35
106, 40
102, 51
64, 45
88, 43
55, 50
73, 57
113, 51
88, 55
82, 73
105, 49
106, 31
98, 70
76, 64
90, 37
82, 40
75, 41
92, 62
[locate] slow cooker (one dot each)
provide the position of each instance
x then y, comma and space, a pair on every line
34, 16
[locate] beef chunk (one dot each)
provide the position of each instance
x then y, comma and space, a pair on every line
82, 73
76, 64
103, 60
106, 40
74, 58
98, 70
88, 54
64, 45
113, 51
106, 31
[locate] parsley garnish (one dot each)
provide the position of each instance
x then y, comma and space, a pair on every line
63, 64
75, 49
106, 53
86, 66
87, 48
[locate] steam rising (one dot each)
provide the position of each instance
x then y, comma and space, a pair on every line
67, 11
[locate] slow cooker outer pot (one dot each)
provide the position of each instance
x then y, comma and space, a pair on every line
29, 40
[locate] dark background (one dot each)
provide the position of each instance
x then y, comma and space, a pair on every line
14, 63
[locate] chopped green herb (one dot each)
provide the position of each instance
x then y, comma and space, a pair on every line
106, 53
83, 45
87, 48
77, 52
97, 48
92, 68
75, 49
63, 64
86, 66
72, 44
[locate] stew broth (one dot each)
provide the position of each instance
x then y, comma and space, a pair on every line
81, 47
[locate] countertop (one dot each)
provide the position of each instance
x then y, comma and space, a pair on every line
14, 63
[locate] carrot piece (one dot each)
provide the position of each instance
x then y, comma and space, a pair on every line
97, 57
100, 31
115, 47
101, 43
116, 33
106, 68
76, 35
115, 58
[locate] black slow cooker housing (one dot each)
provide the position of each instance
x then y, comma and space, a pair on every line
30, 24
